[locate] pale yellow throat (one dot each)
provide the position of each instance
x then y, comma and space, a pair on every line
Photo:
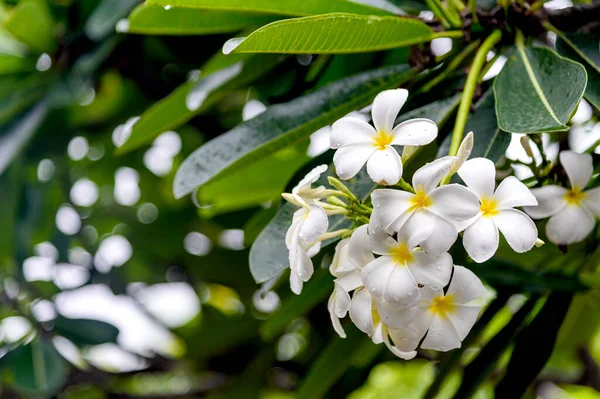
383, 140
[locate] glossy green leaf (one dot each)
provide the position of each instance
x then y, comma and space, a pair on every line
38, 35
316, 290
103, 20
533, 346
83, 332
585, 49
332, 34
156, 20
490, 142
36, 369
283, 125
538, 91
269, 255
13, 64
219, 76
254, 185
289, 8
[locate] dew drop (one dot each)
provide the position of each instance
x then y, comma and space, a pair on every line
167, 7
122, 26
231, 44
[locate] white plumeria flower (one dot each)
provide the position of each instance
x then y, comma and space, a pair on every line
303, 193
364, 314
351, 255
571, 211
357, 142
308, 224
395, 276
435, 211
496, 211
447, 318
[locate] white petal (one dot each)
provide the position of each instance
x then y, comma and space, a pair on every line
442, 336
310, 178
402, 289
417, 228
376, 275
463, 318
296, 283
342, 300
293, 229
572, 224
350, 130
315, 224
378, 336
386, 106
359, 248
465, 286
591, 201
388, 207
335, 320
481, 239
313, 249
454, 202
442, 237
380, 241
385, 167
511, 192
423, 317
341, 261
393, 316
303, 266
432, 271
551, 199
480, 175
429, 176
404, 343
518, 229
361, 311
418, 131
579, 168
349, 160
350, 281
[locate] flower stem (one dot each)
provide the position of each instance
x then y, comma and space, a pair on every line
452, 34
451, 17
452, 66
469, 90
405, 186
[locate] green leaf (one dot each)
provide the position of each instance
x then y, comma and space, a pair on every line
10, 191
585, 49
253, 185
36, 369
18, 134
269, 255
489, 142
317, 289
533, 346
31, 22
14, 63
155, 20
337, 357
289, 8
283, 125
220, 76
83, 332
537, 91
332, 34
105, 16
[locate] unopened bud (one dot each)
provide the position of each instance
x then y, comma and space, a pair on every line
539, 243
464, 151
408, 152
525, 142
340, 186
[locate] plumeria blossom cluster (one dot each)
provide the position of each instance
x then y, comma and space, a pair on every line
394, 276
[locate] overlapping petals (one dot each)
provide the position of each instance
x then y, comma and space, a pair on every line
571, 210
358, 143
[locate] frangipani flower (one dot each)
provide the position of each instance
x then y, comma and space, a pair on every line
357, 142
571, 211
364, 314
303, 193
395, 276
308, 223
346, 266
434, 211
447, 318
496, 211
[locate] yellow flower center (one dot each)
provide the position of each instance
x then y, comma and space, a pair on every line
442, 305
383, 140
574, 196
402, 254
489, 207
420, 200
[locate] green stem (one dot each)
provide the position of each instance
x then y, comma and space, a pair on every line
452, 34
452, 17
405, 186
471, 83
452, 66
432, 5
473, 7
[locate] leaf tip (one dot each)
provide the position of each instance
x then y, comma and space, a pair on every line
231, 44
